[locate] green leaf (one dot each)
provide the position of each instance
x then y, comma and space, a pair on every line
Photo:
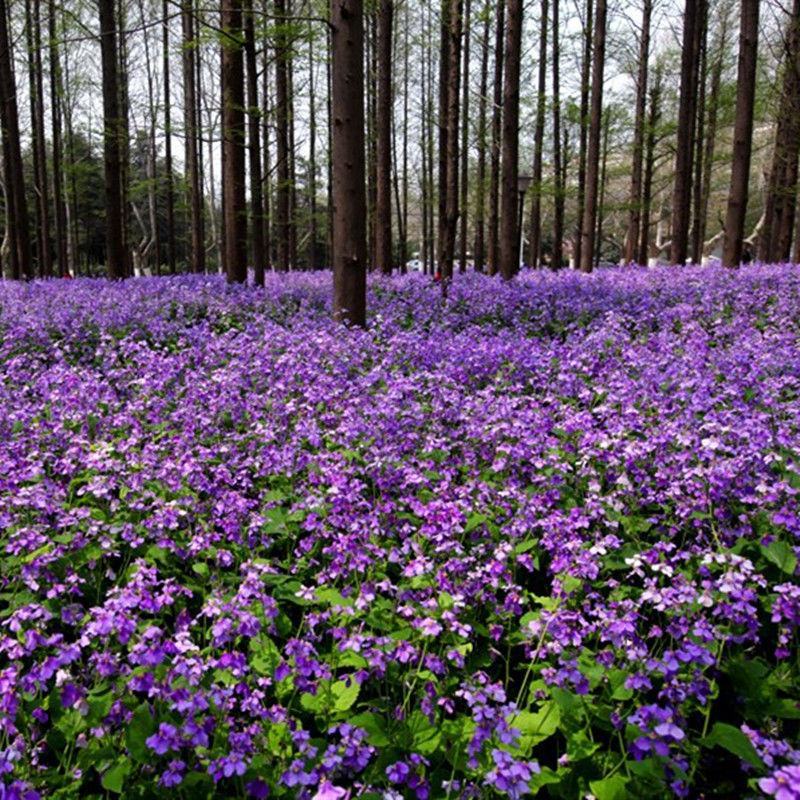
114, 778
781, 555
201, 569
613, 788
734, 741
474, 521
140, 727
425, 737
538, 726
345, 695
373, 725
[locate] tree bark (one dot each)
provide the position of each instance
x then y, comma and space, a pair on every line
558, 183
593, 150
653, 119
112, 136
383, 136
233, 143
535, 252
479, 255
698, 227
283, 189
349, 200
510, 199
36, 90
464, 181
635, 199
681, 198
497, 123
776, 238
197, 252
168, 178
254, 148
586, 72
56, 92
732, 250
448, 187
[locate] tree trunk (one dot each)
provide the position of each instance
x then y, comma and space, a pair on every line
681, 199
732, 251
312, 158
649, 168
168, 178
254, 147
535, 251
479, 255
283, 189
586, 73
558, 185
448, 187
112, 136
383, 136
56, 92
776, 237
464, 182
197, 252
497, 123
711, 123
698, 227
510, 198
635, 199
17, 211
593, 150
349, 200
602, 200
233, 143
125, 137
36, 91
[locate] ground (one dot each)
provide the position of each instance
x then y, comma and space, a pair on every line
543, 538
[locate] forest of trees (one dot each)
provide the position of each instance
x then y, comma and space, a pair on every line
155, 136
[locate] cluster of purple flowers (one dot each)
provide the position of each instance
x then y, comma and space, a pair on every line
527, 538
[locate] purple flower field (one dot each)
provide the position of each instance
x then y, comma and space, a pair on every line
540, 541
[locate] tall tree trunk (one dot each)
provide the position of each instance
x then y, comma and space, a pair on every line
732, 250
635, 199
593, 150
558, 182
125, 135
480, 193
56, 92
383, 135
168, 178
586, 74
254, 147
17, 211
601, 206
448, 188
349, 200
36, 90
266, 83
699, 137
464, 181
153, 238
283, 193
510, 198
711, 122
653, 119
233, 143
535, 228
404, 202
197, 251
312, 157
112, 136
497, 123
776, 236
681, 199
